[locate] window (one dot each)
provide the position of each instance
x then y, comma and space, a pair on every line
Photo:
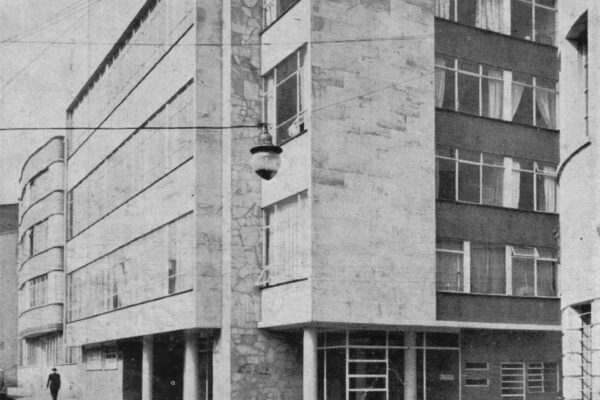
31, 246
488, 269
153, 266
138, 162
93, 359
101, 357
482, 178
286, 238
533, 272
285, 97
533, 100
450, 256
479, 89
534, 20
273, 9
584, 350
578, 36
38, 291
476, 366
484, 14
542, 377
468, 87
476, 382
359, 365
109, 353
513, 380
483, 268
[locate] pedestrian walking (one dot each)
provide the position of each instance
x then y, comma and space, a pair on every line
53, 383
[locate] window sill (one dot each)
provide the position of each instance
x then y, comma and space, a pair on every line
266, 28
497, 207
498, 295
550, 46
513, 123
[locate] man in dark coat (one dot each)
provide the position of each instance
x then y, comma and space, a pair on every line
53, 383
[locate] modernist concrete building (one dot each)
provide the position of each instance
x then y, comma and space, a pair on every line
405, 250
578, 182
8, 292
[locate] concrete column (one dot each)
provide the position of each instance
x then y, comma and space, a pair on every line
147, 372
410, 366
190, 367
309, 365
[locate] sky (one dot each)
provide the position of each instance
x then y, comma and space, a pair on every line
48, 49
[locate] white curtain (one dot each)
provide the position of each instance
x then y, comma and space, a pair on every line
515, 184
549, 189
517, 93
440, 86
495, 94
442, 8
543, 102
489, 15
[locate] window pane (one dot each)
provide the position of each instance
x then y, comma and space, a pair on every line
522, 104
449, 267
522, 193
367, 383
546, 193
367, 354
367, 338
446, 179
523, 276
521, 20
466, 12
445, 85
488, 271
365, 395
335, 374
287, 67
492, 185
468, 182
284, 5
376, 368
468, 94
546, 275
493, 93
396, 374
545, 25
545, 102
287, 100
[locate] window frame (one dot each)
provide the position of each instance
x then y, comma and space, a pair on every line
537, 171
535, 256
269, 96
275, 268
461, 275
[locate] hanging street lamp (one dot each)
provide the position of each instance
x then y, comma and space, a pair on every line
266, 156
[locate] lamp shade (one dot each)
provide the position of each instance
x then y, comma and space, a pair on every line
266, 157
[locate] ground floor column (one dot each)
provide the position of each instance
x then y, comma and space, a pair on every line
410, 366
147, 370
309, 365
190, 367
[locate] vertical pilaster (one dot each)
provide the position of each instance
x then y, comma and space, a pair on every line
190, 367
410, 366
309, 365
147, 370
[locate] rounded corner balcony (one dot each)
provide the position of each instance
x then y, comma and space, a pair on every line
50, 152
40, 320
